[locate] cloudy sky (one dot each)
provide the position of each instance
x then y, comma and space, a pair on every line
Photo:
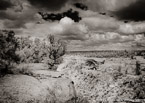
84, 24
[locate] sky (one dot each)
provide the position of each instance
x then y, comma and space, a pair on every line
83, 24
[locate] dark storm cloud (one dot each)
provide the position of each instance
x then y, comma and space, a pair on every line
16, 13
134, 12
4, 4
6, 15
81, 6
14, 24
102, 13
13, 19
74, 15
48, 4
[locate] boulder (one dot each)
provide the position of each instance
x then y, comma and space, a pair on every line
64, 90
27, 89
21, 89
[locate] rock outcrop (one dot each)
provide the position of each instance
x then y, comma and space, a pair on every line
27, 89
21, 89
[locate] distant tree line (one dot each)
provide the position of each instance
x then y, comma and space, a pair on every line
110, 53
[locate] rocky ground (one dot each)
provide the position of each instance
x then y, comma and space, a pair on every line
116, 80
77, 80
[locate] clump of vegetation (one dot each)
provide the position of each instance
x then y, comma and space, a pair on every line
137, 67
56, 50
8, 47
81, 99
31, 51
24, 50
35, 50
92, 64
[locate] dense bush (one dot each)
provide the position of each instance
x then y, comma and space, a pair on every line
8, 47
31, 51
56, 50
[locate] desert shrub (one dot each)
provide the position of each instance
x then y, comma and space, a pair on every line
25, 51
31, 51
81, 99
135, 86
8, 47
92, 64
137, 67
56, 50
